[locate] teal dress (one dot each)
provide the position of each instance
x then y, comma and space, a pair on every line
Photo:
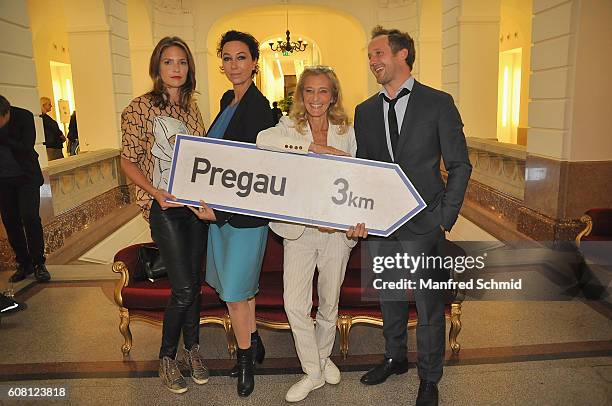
234, 256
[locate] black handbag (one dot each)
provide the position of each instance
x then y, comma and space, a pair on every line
150, 264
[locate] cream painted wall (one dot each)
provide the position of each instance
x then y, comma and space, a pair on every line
17, 69
591, 137
552, 67
569, 106
93, 84
141, 44
348, 58
100, 56
470, 58
430, 43
478, 66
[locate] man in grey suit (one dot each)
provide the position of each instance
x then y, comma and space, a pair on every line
414, 126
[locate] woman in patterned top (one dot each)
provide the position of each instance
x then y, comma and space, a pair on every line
149, 125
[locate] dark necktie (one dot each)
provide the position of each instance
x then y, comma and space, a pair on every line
392, 117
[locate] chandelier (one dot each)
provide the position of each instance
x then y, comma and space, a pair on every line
288, 46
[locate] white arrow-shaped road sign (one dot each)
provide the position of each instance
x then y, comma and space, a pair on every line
321, 190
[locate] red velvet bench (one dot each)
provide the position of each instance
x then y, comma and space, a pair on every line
146, 301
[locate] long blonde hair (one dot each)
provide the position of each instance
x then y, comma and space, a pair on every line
335, 113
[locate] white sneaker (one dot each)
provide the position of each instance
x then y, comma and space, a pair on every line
331, 373
301, 389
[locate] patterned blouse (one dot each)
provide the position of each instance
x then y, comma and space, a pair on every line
148, 134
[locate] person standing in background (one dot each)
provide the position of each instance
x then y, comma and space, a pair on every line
277, 113
73, 135
54, 137
20, 179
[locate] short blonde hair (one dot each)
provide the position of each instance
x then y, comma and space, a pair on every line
44, 100
335, 114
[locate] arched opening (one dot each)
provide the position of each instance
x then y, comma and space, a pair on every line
279, 71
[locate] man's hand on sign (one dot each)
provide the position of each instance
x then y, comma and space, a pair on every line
204, 212
325, 149
161, 196
356, 231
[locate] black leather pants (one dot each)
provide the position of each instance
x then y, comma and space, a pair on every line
181, 239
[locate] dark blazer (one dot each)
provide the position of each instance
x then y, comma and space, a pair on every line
252, 115
431, 129
54, 137
17, 137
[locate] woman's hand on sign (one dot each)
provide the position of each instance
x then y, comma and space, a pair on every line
357, 231
325, 149
162, 196
204, 212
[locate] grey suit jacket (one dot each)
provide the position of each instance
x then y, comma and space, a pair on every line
431, 129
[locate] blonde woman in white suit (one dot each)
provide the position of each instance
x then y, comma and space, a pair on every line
318, 123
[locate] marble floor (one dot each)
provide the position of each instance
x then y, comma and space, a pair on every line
512, 351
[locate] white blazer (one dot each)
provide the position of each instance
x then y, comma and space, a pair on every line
284, 137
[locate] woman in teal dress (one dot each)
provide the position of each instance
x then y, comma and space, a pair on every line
236, 243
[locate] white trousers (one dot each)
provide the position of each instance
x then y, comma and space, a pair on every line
329, 253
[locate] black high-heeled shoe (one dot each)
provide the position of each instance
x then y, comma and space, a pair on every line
246, 377
259, 353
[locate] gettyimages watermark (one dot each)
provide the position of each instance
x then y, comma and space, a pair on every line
485, 270
432, 263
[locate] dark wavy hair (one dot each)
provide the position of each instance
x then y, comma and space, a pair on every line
159, 93
246, 39
397, 41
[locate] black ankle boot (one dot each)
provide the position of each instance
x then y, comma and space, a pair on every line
41, 274
259, 353
246, 380
258, 347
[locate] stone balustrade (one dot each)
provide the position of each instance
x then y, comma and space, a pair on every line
77, 179
498, 165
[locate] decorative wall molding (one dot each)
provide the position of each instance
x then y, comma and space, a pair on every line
394, 3
511, 212
173, 6
86, 29
475, 20
498, 165
82, 178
